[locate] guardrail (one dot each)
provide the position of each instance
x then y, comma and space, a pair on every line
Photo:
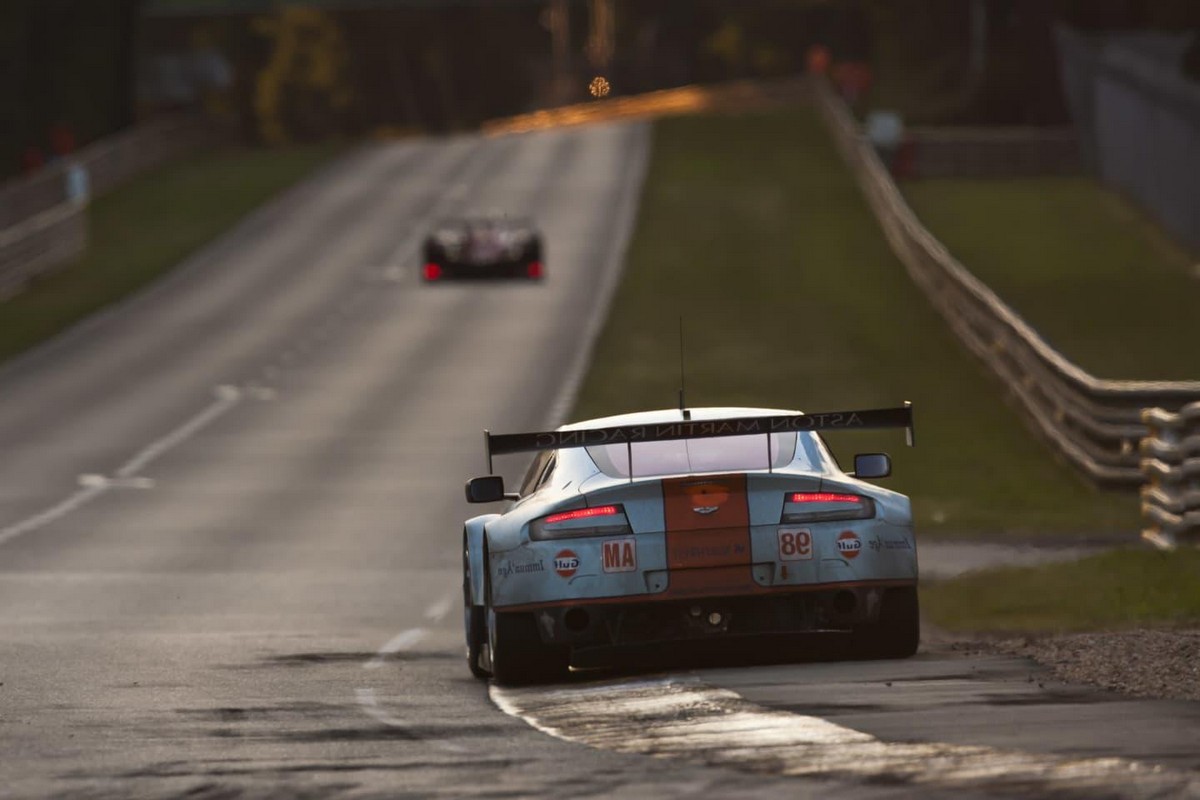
108, 163
39, 244
42, 226
1171, 464
1095, 424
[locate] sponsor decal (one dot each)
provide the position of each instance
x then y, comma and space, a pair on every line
795, 544
849, 545
706, 498
566, 563
695, 552
508, 568
620, 555
878, 544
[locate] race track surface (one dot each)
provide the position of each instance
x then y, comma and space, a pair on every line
230, 520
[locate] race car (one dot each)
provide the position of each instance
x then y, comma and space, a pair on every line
483, 245
647, 529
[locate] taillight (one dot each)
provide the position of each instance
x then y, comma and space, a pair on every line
596, 521
534, 269
819, 506
431, 271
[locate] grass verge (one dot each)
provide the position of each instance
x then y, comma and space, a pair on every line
1120, 589
752, 230
1100, 281
148, 226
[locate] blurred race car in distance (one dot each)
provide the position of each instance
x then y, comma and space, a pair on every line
483, 245
652, 528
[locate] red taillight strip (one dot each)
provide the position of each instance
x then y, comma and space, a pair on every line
582, 513
824, 497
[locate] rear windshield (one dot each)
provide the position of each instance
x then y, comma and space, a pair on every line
688, 456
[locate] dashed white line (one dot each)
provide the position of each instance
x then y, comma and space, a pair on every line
227, 397
53, 513
398, 643
368, 701
438, 611
126, 476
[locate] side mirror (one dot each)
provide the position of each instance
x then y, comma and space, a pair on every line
872, 465
489, 489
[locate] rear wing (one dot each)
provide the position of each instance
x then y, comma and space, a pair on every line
867, 419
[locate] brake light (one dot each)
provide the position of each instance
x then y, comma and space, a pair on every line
582, 513
826, 506
824, 497
607, 520
431, 271
534, 269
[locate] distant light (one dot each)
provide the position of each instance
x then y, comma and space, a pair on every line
599, 87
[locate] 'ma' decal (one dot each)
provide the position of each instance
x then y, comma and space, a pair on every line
620, 555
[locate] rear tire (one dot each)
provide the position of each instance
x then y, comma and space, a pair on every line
474, 622
897, 633
518, 654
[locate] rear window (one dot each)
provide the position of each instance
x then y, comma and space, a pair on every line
687, 456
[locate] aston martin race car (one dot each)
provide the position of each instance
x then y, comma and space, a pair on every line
485, 245
643, 530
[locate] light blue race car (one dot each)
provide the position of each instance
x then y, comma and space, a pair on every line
638, 531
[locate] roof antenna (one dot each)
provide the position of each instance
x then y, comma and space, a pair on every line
687, 415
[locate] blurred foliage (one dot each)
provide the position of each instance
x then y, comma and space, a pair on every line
303, 90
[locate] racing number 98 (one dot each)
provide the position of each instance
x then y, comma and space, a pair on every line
795, 544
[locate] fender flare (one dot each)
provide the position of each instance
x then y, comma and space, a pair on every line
473, 542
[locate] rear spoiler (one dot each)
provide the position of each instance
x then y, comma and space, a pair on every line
868, 419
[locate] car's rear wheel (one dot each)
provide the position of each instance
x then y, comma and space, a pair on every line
518, 654
897, 633
474, 622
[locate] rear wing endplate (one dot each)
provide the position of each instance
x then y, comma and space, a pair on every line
865, 419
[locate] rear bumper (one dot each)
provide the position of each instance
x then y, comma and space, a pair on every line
621, 622
493, 269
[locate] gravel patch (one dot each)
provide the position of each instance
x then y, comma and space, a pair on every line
1144, 663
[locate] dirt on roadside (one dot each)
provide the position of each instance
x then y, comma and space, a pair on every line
1160, 663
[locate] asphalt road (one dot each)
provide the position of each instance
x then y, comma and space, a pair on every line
230, 515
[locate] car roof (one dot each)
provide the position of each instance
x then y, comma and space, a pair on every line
675, 415
489, 217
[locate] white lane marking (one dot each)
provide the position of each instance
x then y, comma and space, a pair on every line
438, 611
227, 397
115, 483
683, 718
92, 486
369, 703
400, 642
53, 513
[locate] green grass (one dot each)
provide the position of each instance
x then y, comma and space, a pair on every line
1080, 264
751, 228
147, 226
1121, 589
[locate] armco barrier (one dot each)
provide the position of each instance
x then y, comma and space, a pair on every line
1095, 424
39, 244
1171, 464
42, 227
108, 162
